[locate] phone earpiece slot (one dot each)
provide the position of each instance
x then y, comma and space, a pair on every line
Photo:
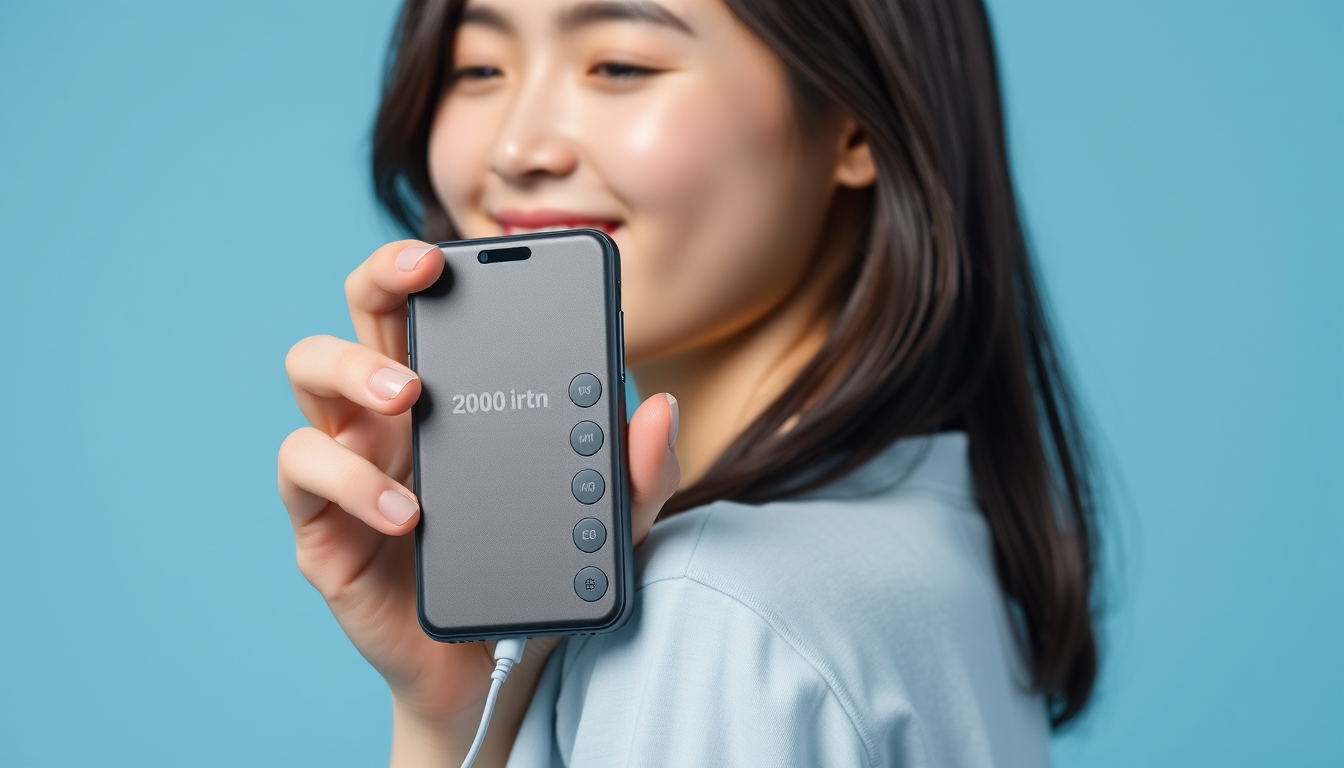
497, 255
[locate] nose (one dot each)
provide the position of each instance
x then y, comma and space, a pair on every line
532, 143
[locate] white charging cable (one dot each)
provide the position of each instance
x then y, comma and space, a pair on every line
507, 653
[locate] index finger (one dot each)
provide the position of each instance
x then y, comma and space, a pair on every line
376, 292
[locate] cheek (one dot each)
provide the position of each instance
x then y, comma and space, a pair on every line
661, 156
721, 208
686, 141
459, 158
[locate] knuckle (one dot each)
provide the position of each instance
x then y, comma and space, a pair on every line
354, 283
302, 349
294, 446
294, 354
309, 566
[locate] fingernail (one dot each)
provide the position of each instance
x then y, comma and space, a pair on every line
411, 255
676, 419
387, 383
396, 507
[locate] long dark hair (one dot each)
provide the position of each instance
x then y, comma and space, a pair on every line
942, 326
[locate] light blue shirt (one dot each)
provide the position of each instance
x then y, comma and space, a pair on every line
859, 625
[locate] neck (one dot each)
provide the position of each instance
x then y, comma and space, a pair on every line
723, 387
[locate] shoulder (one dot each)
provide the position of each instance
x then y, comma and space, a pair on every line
899, 556
907, 550
863, 621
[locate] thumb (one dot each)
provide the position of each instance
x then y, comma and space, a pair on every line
654, 470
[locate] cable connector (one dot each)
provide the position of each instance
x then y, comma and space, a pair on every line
508, 651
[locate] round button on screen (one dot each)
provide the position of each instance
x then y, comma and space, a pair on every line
590, 534
588, 486
585, 389
590, 584
585, 438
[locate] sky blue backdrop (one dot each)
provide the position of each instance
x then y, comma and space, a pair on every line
183, 189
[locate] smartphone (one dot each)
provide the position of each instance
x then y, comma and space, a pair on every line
520, 439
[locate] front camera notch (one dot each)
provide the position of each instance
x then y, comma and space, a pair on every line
498, 255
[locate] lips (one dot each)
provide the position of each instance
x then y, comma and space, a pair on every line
523, 222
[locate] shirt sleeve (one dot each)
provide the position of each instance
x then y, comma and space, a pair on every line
700, 680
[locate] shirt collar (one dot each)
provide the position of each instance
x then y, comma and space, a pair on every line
937, 463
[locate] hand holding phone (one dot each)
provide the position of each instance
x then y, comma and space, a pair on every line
334, 477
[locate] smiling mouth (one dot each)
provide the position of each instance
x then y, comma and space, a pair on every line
520, 223
609, 227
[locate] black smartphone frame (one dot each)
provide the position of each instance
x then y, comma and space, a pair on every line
622, 581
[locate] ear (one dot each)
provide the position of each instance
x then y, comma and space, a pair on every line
854, 165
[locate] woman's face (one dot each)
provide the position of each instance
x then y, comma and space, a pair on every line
668, 125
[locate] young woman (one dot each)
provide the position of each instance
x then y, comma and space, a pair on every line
875, 539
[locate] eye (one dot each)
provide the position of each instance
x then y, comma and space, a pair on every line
617, 71
475, 73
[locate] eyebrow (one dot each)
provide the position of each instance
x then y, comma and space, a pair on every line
485, 16
584, 14
621, 10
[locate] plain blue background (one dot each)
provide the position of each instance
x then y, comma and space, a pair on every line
183, 188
